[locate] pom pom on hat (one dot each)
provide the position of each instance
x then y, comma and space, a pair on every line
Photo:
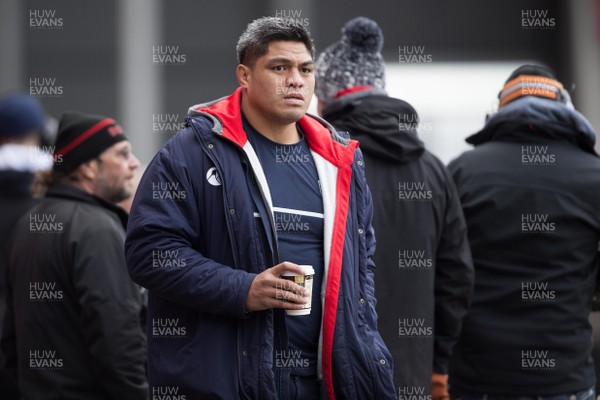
353, 61
363, 34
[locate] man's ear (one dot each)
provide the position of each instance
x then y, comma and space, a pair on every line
243, 75
89, 169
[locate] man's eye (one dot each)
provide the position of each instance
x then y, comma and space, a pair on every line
307, 70
279, 68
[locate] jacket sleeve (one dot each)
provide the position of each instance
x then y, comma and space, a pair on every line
369, 232
8, 348
110, 312
173, 227
454, 278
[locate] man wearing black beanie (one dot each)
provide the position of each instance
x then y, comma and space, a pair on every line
529, 191
76, 330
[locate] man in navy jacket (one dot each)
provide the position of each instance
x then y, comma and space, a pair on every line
251, 188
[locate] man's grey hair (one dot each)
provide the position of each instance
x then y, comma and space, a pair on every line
255, 40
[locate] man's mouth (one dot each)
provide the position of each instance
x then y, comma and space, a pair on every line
294, 96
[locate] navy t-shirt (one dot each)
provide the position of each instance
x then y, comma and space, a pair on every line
298, 211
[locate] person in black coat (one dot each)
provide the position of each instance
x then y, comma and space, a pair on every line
74, 330
21, 122
424, 270
530, 193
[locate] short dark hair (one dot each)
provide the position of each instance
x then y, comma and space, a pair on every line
255, 40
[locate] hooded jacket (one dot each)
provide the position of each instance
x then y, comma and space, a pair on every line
197, 246
16, 178
425, 273
530, 195
74, 331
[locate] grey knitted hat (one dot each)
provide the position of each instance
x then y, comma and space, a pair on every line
353, 61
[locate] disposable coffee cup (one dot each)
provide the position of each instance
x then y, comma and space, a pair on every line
306, 281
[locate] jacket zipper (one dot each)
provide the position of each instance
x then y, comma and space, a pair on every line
274, 255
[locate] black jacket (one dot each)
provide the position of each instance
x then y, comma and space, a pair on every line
15, 199
531, 196
424, 270
76, 312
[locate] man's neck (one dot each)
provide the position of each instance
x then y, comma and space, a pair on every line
278, 133
83, 186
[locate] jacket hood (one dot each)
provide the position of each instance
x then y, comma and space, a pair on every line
226, 116
385, 127
537, 117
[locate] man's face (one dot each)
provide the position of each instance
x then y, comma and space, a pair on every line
114, 179
281, 83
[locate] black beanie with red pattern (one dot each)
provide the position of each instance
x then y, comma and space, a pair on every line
83, 137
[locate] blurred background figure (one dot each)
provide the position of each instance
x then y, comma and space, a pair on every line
424, 272
530, 195
67, 272
21, 123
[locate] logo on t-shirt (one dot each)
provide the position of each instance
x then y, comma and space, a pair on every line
213, 177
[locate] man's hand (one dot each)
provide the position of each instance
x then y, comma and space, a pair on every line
269, 290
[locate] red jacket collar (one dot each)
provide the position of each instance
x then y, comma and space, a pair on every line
319, 137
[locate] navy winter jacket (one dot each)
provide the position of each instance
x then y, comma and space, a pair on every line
201, 229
